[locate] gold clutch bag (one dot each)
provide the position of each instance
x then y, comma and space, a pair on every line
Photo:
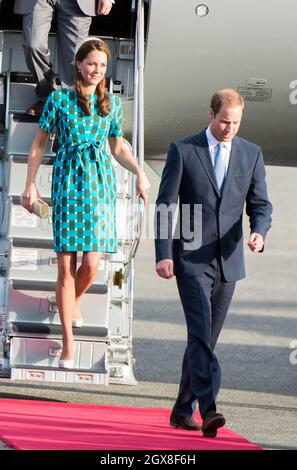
40, 208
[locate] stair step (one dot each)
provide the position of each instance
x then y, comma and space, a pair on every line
36, 307
44, 354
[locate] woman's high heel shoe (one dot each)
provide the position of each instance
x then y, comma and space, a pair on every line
77, 322
66, 363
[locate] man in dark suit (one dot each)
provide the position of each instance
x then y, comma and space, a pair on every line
73, 20
214, 174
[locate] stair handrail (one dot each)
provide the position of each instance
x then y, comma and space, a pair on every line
138, 126
8, 80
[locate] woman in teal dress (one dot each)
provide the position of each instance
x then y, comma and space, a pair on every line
83, 181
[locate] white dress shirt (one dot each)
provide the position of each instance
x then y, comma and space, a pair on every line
212, 145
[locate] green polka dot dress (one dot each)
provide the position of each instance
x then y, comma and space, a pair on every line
83, 181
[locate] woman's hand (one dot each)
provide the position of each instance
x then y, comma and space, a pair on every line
142, 187
29, 196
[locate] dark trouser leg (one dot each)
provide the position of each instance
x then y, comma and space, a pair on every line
205, 300
36, 26
221, 297
220, 301
185, 404
73, 28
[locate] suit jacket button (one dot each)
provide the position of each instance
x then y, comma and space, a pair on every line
214, 235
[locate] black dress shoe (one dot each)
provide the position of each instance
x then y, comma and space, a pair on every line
211, 423
184, 423
36, 108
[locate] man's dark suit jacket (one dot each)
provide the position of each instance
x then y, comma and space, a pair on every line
189, 174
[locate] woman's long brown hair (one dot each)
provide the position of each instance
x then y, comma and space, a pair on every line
103, 100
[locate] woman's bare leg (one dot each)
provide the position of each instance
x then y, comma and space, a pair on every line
65, 295
85, 277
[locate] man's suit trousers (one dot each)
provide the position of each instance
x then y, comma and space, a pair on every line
72, 27
205, 301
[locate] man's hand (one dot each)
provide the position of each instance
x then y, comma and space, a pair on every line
256, 242
165, 268
104, 7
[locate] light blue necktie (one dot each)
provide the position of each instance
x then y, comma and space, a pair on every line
219, 166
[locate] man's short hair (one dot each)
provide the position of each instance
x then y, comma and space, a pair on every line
228, 97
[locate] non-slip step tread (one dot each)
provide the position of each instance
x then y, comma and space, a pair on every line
41, 368
40, 328
37, 285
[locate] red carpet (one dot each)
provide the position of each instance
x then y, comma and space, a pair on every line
39, 425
